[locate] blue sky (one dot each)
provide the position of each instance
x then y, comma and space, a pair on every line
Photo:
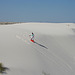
37, 10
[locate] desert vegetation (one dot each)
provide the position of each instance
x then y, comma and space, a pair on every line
2, 68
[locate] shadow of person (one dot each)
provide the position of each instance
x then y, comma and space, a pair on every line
40, 44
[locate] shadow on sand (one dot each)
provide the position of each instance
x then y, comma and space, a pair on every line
40, 45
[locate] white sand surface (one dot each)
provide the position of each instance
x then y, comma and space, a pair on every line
53, 52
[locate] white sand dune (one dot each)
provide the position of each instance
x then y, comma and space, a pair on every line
52, 54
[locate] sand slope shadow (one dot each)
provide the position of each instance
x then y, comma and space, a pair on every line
40, 44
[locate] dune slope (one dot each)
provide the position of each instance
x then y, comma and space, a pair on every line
53, 52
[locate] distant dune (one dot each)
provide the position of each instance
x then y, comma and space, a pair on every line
6, 23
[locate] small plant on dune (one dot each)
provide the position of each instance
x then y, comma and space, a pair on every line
2, 68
